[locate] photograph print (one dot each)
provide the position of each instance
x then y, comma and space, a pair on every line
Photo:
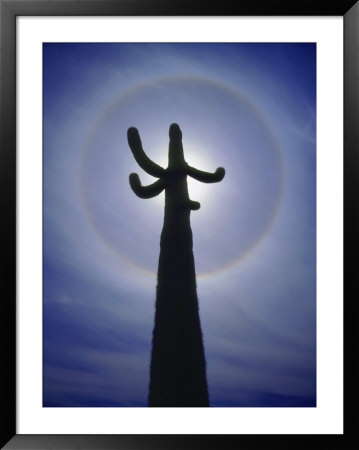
179, 225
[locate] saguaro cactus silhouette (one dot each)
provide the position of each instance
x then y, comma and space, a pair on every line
178, 367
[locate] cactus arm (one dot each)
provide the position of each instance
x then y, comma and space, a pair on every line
134, 141
194, 206
206, 177
146, 191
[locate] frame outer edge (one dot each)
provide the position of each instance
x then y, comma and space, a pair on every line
179, 7
8, 222
351, 216
8, 12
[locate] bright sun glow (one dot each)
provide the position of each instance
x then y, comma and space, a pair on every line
194, 156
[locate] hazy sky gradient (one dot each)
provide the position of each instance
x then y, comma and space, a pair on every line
250, 108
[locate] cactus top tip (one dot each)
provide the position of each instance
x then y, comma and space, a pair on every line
175, 132
132, 131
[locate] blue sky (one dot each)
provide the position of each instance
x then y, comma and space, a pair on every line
250, 108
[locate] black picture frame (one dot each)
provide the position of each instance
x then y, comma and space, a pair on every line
9, 10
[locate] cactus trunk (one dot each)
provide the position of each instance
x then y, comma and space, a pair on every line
178, 368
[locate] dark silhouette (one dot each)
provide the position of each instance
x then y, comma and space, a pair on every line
178, 367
